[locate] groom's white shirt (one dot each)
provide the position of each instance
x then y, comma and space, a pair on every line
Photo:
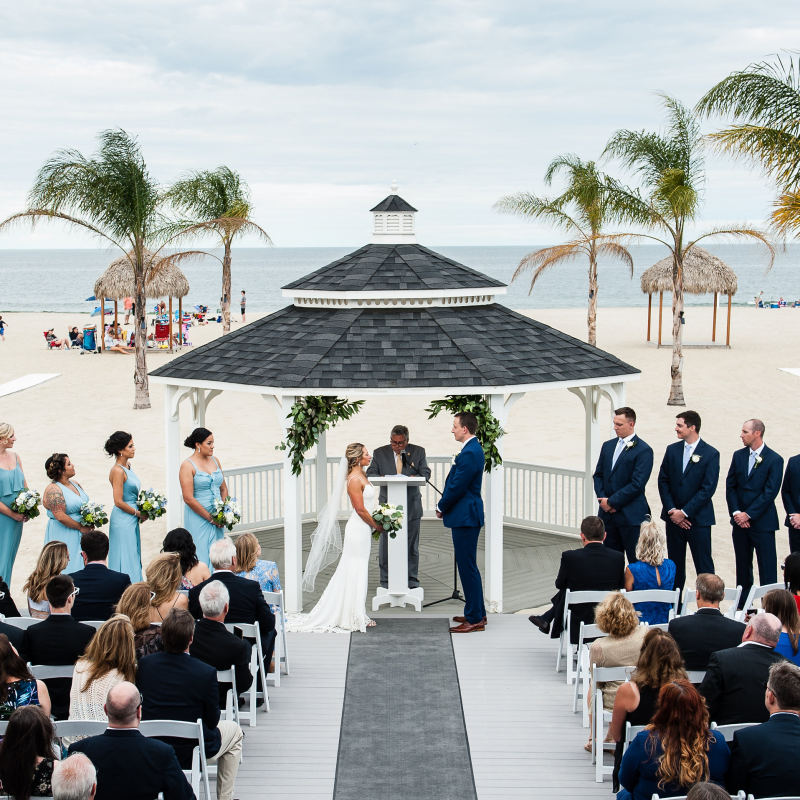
463, 445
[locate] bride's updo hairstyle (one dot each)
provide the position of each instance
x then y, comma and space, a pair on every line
196, 437
117, 442
354, 454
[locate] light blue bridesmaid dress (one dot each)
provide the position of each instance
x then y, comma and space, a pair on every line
125, 546
12, 482
57, 532
206, 491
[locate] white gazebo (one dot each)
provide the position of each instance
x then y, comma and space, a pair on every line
393, 319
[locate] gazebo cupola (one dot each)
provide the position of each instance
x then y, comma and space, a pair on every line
393, 220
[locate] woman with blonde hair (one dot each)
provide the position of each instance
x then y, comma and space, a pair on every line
12, 482
135, 605
652, 570
52, 561
251, 565
164, 578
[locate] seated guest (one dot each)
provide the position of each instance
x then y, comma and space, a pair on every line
131, 766
164, 578
214, 644
734, 683
251, 566
193, 571
176, 686
110, 659
705, 790
678, 749
781, 603
791, 576
100, 587
17, 637
8, 608
701, 634
636, 701
17, 686
135, 605
652, 570
593, 568
26, 754
761, 754
53, 560
75, 779
59, 640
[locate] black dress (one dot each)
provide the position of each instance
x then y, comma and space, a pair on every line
641, 715
41, 786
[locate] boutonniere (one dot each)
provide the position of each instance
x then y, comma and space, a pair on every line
453, 459
696, 459
631, 443
759, 459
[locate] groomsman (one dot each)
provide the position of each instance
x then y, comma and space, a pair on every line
687, 481
790, 494
623, 470
753, 483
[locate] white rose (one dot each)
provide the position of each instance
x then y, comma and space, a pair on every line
695, 459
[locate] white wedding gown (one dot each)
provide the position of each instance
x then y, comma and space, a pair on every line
343, 605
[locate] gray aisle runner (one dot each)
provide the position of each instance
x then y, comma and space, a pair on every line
403, 735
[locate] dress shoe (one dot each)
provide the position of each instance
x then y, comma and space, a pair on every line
466, 627
542, 624
464, 619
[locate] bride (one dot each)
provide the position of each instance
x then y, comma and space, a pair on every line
342, 606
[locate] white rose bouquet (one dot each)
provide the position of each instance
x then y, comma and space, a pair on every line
93, 514
151, 503
390, 518
226, 513
27, 503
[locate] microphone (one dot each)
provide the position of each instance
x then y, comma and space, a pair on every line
404, 458
407, 463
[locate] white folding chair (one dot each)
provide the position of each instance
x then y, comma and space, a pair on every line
602, 717
21, 622
250, 631
43, 672
631, 732
731, 596
80, 727
231, 711
185, 730
750, 797
739, 796
728, 730
671, 596
582, 669
756, 593
662, 626
696, 675
281, 643
95, 623
573, 599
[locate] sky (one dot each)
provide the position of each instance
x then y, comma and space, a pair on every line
321, 105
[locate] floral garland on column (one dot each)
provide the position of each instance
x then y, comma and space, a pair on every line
311, 416
489, 430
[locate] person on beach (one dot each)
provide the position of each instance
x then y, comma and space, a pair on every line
128, 303
112, 342
3, 324
75, 336
63, 500
202, 482
125, 553
12, 482
55, 342
242, 304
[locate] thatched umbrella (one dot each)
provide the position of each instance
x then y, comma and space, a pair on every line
703, 273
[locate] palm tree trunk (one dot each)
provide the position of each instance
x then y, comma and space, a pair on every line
226, 289
676, 369
142, 392
592, 317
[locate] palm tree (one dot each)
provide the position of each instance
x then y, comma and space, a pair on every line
581, 211
217, 202
766, 99
671, 167
113, 196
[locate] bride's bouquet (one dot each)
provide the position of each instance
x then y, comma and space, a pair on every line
93, 514
27, 503
390, 518
226, 513
152, 503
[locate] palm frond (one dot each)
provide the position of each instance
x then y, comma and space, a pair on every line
529, 206
614, 249
33, 215
786, 216
542, 260
739, 232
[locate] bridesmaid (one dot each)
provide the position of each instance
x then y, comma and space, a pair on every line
125, 546
202, 482
63, 500
12, 482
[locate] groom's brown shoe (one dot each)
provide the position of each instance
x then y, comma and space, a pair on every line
467, 627
464, 619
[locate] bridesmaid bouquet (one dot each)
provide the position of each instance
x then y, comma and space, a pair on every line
152, 503
27, 503
390, 518
226, 512
93, 514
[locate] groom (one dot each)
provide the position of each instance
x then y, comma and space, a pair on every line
461, 508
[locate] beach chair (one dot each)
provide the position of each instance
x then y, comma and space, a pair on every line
162, 334
756, 593
731, 596
51, 345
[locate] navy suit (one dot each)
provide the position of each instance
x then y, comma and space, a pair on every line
691, 491
462, 511
790, 494
100, 591
754, 494
624, 484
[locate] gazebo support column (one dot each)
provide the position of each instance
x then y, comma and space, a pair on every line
590, 397
200, 399
172, 440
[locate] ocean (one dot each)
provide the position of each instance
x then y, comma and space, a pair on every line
61, 280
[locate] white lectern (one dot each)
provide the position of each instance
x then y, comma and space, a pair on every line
398, 593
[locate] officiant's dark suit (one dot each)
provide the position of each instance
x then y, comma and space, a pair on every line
790, 494
385, 462
689, 490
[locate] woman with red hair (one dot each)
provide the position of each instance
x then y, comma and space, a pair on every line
676, 750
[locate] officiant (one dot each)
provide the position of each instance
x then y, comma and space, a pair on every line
388, 460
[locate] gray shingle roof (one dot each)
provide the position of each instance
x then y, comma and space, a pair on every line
393, 267
367, 348
393, 203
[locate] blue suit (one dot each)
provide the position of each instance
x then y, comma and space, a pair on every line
691, 491
623, 484
462, 511
790, 494
754, 494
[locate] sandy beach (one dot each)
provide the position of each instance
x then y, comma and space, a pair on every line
93, 397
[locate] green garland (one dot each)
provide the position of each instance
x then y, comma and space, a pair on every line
312, 416
489, 430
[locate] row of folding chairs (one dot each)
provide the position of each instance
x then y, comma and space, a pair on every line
23, 623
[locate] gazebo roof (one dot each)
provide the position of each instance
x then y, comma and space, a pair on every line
117, 282
703, 273
393, 203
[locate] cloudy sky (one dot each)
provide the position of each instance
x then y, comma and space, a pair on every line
321, 104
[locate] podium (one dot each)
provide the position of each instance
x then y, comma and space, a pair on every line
398, 594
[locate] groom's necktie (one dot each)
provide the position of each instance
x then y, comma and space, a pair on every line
620, 448
687, 454
398, 462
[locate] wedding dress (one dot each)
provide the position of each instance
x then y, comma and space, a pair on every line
342, 607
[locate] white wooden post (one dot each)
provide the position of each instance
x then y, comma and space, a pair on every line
322, 472
590, 397
493, 591
200, 399
172, 436
292, 522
